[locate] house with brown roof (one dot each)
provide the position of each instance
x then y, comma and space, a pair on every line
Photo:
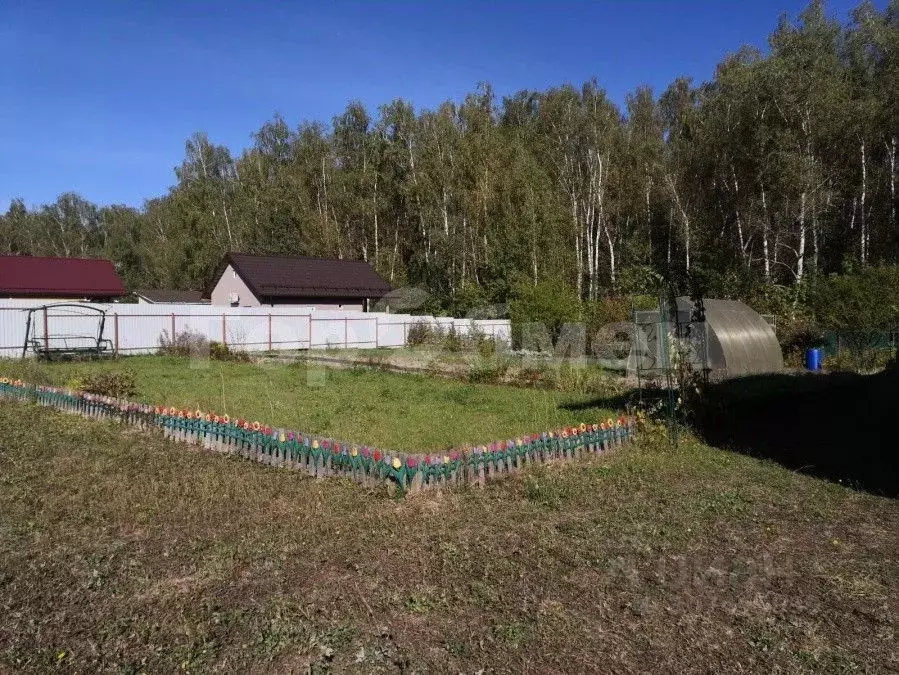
245, 280
52, 278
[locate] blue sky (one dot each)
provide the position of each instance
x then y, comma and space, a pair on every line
99, 97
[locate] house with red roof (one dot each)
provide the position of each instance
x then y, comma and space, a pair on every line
51, 278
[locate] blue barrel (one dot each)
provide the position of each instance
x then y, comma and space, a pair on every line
813, 359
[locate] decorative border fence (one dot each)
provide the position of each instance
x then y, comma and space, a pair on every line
319, 457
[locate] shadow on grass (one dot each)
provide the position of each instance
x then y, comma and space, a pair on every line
841, 427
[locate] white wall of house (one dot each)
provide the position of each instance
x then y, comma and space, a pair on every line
231, 282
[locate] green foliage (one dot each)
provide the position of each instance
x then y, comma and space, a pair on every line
776, 173
185, 343
549, 303
222, 352
866, 299
486, 347
451, 341
489, 371
118, 384
419, 334
868, 360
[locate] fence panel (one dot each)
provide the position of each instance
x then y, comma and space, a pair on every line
137, 329
290, 331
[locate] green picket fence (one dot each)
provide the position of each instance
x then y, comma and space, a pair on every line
321, 457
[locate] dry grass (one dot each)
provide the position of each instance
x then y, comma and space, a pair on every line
123, 552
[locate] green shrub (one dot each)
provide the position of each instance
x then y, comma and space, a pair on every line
219, 351
485, 346
549, 303
530, 376
867, 360
185, 343
119, 384
452, 341
419, 334
489, 372
866, 299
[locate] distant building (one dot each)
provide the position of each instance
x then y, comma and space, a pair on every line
166, 297
244, 280
49, 278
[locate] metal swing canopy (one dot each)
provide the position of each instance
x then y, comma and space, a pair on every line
84, 338
738, 340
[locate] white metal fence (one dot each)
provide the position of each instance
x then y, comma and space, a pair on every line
137, 329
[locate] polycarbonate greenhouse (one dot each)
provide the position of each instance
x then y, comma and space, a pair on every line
735, 340
738, 340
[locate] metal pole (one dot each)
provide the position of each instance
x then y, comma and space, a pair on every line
173, 326
345, 334
224, 330
46, 333
115, 326
269, 331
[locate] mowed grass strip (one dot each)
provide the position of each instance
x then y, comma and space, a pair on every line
122, 552
388, 410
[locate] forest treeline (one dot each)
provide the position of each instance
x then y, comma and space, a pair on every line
781, 168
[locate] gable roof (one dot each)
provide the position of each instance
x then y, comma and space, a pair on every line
37, 276
283, 276
169, 296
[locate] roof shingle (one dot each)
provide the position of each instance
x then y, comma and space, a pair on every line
37, 276
280, 276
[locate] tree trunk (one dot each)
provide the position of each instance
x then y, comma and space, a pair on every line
800, 254
891, 153
863, 230
766, 222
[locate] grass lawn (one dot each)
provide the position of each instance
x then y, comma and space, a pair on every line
120, 551
388, 410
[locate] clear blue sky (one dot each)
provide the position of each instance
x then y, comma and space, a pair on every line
99, 97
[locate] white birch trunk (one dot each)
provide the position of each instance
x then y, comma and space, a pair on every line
800, 254
891, 153
765, 227
861, 216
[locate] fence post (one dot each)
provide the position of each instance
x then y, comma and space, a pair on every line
310, 331
269, 331
46, 333
377, 326
224, 331
173, 326
345, 334
115, 325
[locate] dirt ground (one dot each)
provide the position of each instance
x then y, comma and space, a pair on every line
122, 552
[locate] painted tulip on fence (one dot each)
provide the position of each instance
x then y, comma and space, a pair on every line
259, 441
